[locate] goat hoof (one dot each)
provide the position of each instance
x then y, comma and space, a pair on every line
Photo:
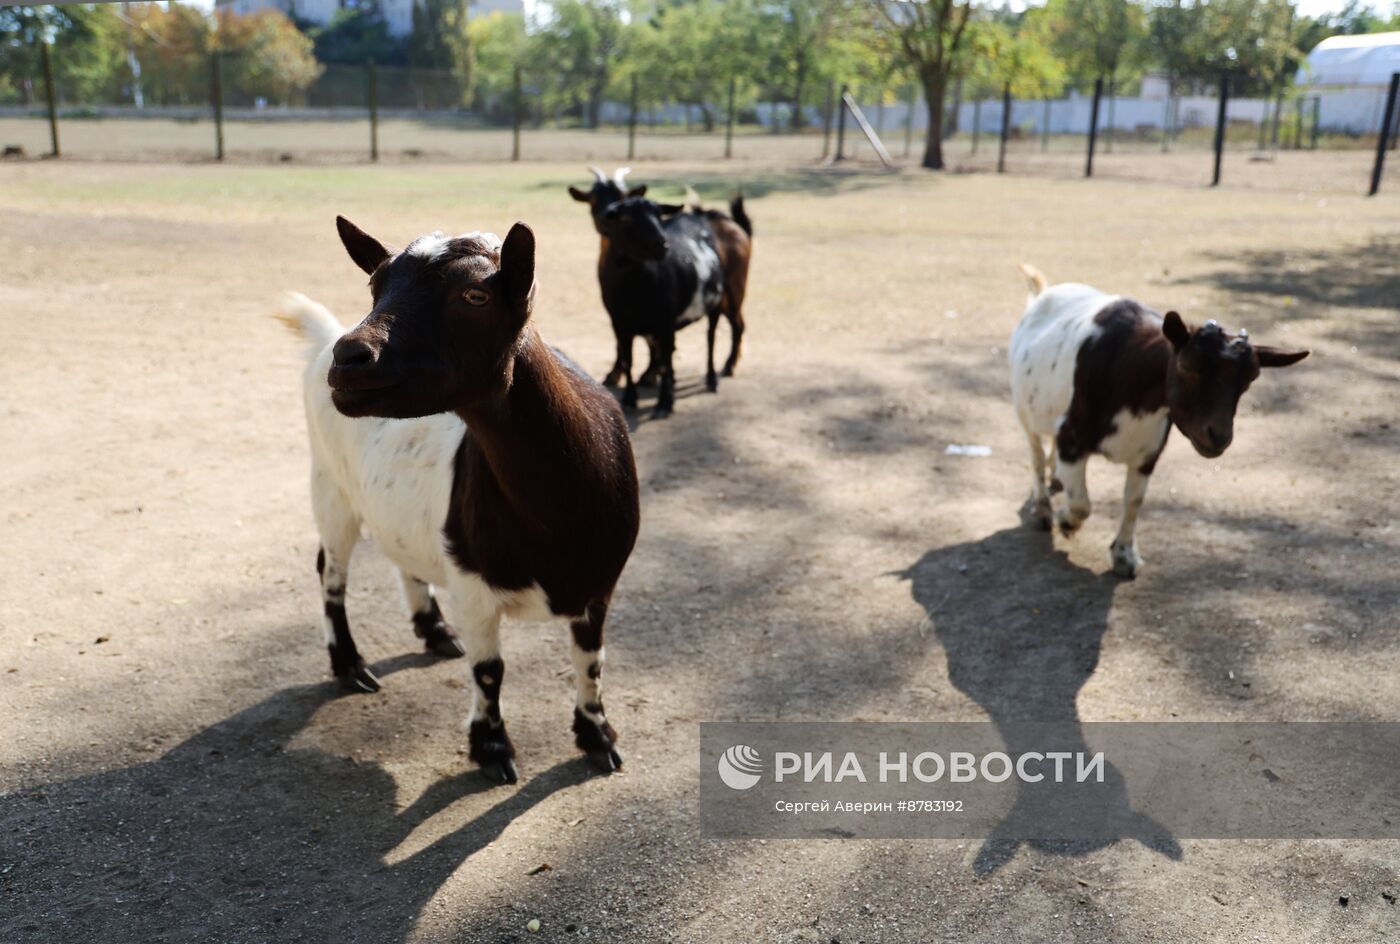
607, 761
711, 383
1068, 526
501, 771
649, 379
629, 398
359, 679
1125, 561
728, 370
660, 412
441, 641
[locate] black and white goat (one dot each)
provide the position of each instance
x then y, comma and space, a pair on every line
481, 460
662, 267
1101, 374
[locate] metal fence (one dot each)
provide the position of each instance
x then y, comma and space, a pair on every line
1308, 140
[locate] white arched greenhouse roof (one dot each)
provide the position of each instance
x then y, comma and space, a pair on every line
1368, 59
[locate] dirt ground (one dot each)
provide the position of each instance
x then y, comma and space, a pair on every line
175, 765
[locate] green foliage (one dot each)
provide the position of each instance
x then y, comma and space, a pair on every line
575, 53
441, 42
270, 58
1005, 52
499, 43
354, 36
1097, 38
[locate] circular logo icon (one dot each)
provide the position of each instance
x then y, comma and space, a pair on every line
740, 767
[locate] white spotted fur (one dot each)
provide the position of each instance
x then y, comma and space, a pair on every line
393, 477
1043, 355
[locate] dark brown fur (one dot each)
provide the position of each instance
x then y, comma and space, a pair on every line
544, 487
1141, 364
1122, 367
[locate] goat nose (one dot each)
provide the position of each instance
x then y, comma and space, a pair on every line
352, 352
1217, 438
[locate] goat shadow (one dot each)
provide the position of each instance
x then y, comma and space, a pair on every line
234, 836
1022, 627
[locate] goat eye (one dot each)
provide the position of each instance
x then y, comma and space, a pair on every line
475, 296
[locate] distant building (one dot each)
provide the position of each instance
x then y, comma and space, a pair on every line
1367, 59
1350, 75
398, 14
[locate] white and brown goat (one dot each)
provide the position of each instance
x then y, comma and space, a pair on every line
1101, 374
481, 461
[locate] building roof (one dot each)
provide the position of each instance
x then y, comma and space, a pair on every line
1368, 59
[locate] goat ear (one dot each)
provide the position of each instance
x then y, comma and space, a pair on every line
580, 195
640, 191
669, 209
1176, 331
367, 251
518, 265
1274, 357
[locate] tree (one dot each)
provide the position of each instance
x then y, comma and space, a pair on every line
931, 35
87, 57
1097, 38
692, 50
578, 44
270, 57
810, 43
441, 42
354, 36
499, 44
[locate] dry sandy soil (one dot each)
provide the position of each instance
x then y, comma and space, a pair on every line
176, 766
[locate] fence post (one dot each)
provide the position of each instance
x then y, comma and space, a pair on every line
841, 125
826, 119
1384, 139
1045, 129
1278, 118
729, 121
1167, 121
1005, 128
909, 118
1093, 127
1317, 116
1298, 128
632, 122
49, 97
516, 105
1220, 127
216, 93
372, 90
976, 122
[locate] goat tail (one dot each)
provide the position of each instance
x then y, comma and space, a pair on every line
310, 320
736, 210
1036, 278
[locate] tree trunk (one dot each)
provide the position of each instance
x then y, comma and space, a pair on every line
935, 86
799, 86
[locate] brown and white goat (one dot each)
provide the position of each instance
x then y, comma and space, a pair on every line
1101, 374
481, 460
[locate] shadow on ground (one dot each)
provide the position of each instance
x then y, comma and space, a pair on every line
1023, 657
270, 843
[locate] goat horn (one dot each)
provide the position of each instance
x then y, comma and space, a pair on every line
619, 178
602, 178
